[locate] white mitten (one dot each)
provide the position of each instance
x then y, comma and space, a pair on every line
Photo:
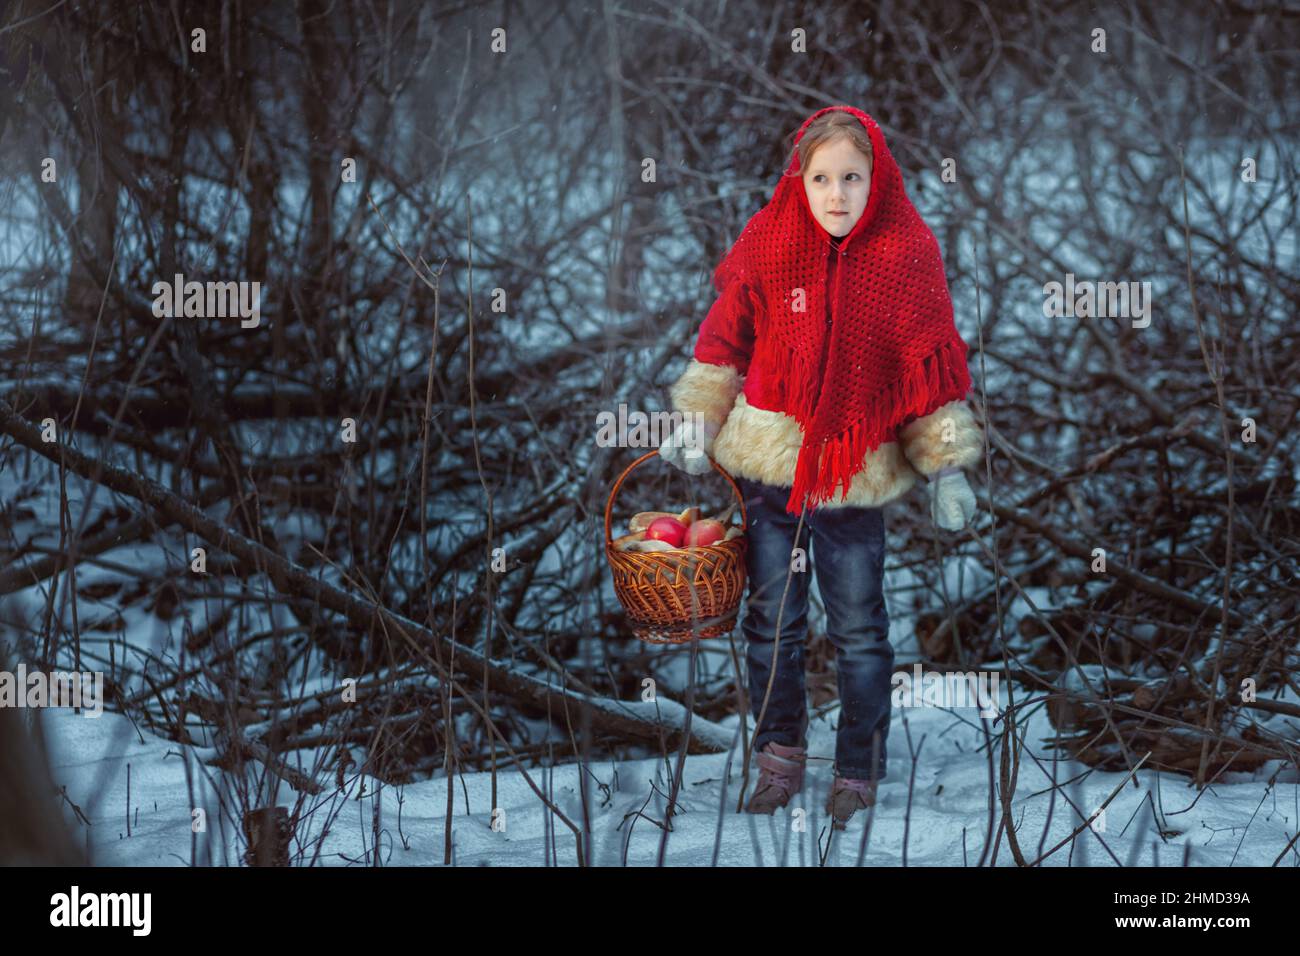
689, 446
952, 502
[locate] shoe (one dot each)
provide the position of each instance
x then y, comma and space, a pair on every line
780, 777
847, 796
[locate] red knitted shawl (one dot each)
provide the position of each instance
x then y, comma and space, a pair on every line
894, 350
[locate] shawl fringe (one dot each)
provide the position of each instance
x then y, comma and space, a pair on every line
940, 378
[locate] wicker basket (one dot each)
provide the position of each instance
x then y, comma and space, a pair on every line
661, 589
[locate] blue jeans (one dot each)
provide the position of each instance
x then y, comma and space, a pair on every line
849, 547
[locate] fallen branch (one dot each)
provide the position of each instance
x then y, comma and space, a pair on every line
649, 722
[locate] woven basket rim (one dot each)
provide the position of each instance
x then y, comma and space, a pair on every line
609, 504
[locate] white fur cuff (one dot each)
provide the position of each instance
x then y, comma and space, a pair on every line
709, 390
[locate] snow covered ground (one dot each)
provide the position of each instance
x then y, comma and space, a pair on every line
939, 818
934, 806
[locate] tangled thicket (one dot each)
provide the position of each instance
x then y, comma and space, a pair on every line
485, 179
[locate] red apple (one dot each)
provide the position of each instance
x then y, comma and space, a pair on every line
705, 532
666, 529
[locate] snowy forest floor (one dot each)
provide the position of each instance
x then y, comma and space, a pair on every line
932, 811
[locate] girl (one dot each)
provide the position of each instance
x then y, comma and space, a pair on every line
830, 361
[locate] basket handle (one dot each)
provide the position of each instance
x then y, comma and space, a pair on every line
609, 505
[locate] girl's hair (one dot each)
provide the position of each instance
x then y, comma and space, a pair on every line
827, 128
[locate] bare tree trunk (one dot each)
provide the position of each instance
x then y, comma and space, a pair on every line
32, 829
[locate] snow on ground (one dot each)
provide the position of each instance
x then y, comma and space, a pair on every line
937, 805
1238, 821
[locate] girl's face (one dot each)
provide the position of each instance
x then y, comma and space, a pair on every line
837, 181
